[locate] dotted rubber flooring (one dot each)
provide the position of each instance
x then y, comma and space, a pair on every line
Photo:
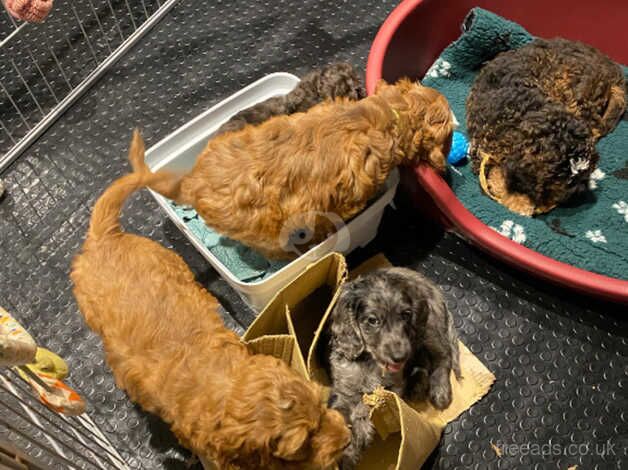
560, 399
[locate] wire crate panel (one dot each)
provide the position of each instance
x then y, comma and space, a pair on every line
45, 67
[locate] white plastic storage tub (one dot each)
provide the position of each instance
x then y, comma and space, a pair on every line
179, 150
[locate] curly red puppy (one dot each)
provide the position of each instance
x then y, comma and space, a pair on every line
170, 351
265, 184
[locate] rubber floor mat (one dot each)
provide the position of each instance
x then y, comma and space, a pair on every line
560, 360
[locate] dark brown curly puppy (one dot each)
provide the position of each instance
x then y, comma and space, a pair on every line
338, 80
264, 185
534, 115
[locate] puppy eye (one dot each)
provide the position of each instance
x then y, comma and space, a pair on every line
406, 313
372, 321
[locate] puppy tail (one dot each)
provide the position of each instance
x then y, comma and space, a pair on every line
106, 214
167, 184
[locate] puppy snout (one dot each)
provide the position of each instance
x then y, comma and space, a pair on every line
398, 356
398, 351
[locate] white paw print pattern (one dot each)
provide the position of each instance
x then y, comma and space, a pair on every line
596, 176
440, 68
622, 208
596, 236
512, 230
577, 165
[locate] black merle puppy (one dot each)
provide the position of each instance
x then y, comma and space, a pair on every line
390, 329
338, 80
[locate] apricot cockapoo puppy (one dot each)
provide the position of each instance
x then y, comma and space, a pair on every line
170, 351
266, 184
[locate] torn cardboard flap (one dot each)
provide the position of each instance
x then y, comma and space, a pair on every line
298, 362
329, 270
279, 346
474, 383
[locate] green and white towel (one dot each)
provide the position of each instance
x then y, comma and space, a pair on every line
244, 263
591, 234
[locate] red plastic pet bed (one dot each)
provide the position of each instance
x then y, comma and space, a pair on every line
413, 36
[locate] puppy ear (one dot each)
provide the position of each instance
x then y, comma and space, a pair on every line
330, 439
432, 304
437, 159
440, 128
447, 332
438, 114
290, 445
345, 331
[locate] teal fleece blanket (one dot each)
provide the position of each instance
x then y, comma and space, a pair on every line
590, 233
245, 264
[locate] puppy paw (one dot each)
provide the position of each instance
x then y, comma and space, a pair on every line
440, 388
348, 462
440, 397
361, 427
351, 455
361, 436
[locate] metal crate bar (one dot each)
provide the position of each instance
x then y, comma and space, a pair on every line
23, 129
74, 442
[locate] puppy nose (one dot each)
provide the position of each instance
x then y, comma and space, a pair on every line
398, 357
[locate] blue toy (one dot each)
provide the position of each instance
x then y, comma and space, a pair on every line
459, 149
